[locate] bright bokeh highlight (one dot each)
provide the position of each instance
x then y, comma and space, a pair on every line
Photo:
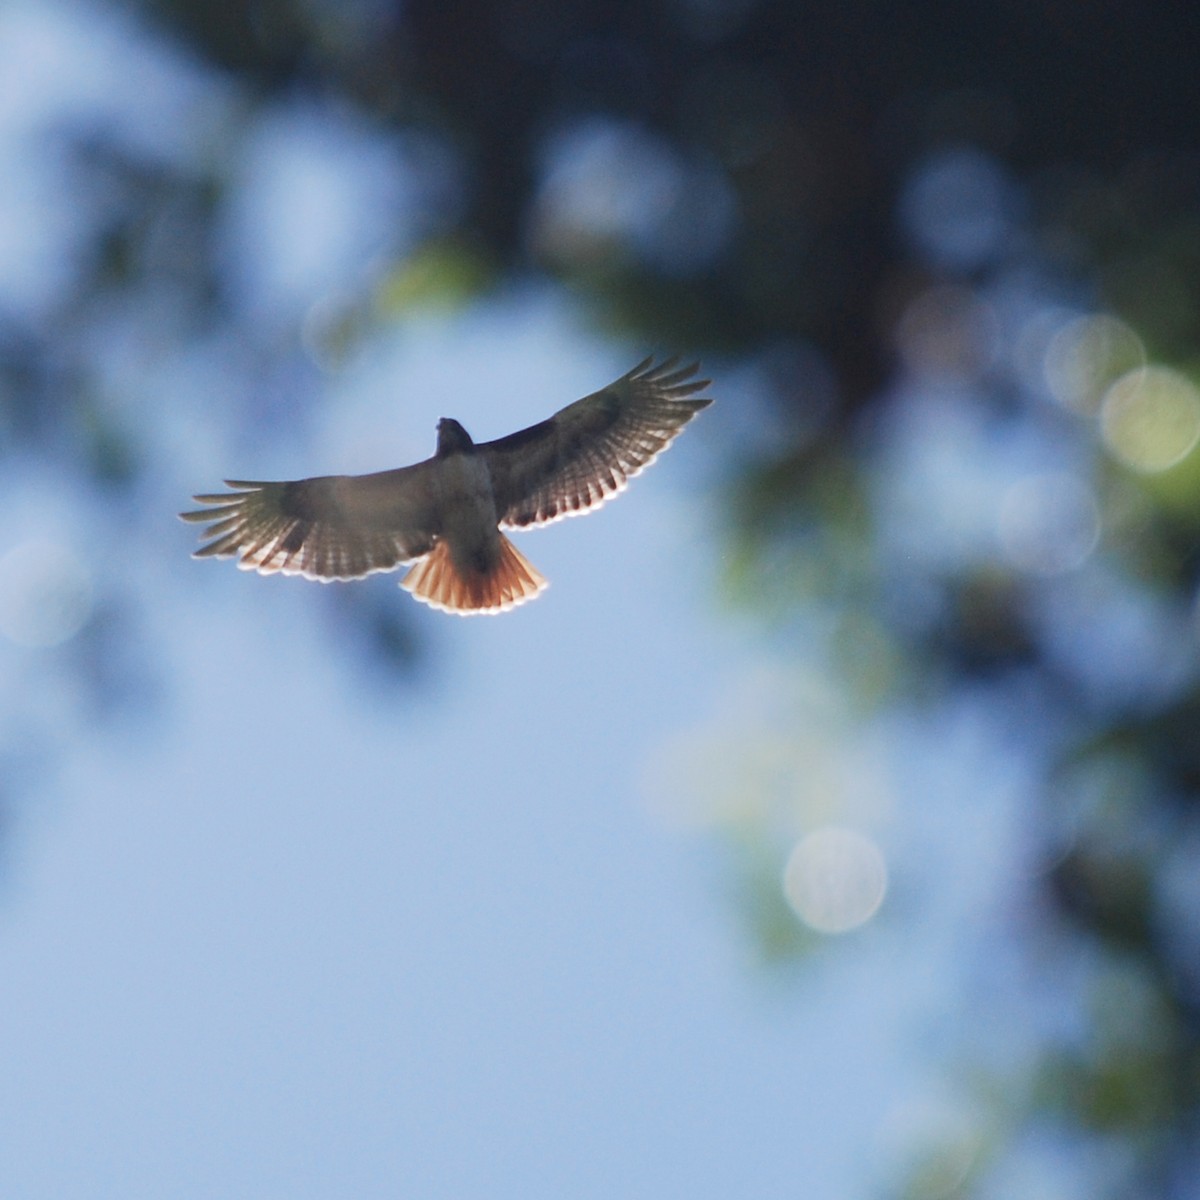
45, 594
933, 1141
1049, 523
959, 208
835, 879
1150, 418
1085, 355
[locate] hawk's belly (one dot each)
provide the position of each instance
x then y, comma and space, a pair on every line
468, 511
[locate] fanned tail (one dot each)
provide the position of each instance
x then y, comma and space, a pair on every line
436, 581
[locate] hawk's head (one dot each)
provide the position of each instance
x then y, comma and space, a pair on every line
452, 438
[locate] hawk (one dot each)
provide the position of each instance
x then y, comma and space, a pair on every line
445, 514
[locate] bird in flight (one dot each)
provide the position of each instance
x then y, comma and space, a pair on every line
445, 514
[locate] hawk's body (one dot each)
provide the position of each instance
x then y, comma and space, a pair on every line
446, 513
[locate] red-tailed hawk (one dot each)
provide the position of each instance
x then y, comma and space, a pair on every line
445, 514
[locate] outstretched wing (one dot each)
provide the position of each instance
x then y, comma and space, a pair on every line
331, 527
589, 450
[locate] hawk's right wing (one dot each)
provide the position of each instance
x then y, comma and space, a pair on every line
588, 451
330, 527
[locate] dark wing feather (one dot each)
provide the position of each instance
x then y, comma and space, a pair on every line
589, 450
331, 527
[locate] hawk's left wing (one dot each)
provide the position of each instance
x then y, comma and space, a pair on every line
330, 527
589, 450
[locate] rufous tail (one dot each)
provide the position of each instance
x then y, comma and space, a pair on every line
436, 581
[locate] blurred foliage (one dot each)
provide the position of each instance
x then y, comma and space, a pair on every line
859, 206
